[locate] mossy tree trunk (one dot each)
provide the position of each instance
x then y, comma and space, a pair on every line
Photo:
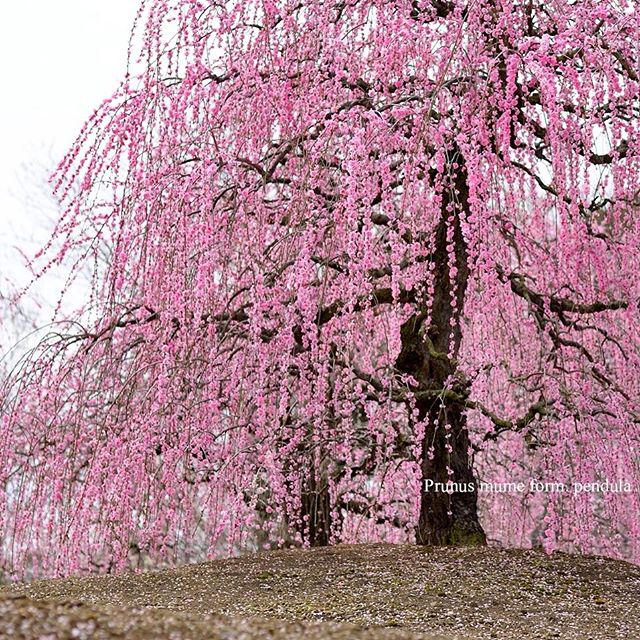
430, 345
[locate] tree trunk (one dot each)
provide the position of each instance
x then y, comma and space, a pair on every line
430, 345
316, 506
448, 519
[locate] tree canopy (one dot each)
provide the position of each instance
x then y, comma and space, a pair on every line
351, 246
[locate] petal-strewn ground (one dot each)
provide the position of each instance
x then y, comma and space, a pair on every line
363, 591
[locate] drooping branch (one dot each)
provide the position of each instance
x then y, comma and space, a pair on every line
558, 305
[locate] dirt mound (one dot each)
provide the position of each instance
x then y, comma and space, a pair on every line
384, 591
23, 618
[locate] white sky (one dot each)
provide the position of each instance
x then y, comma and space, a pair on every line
60, 59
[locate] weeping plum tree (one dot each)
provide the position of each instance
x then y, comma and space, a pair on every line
353, 247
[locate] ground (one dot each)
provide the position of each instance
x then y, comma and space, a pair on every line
362, 591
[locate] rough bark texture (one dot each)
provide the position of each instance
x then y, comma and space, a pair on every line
430, 344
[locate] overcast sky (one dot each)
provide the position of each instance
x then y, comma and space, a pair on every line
60, 59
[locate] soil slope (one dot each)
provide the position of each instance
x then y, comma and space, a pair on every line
363, 591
